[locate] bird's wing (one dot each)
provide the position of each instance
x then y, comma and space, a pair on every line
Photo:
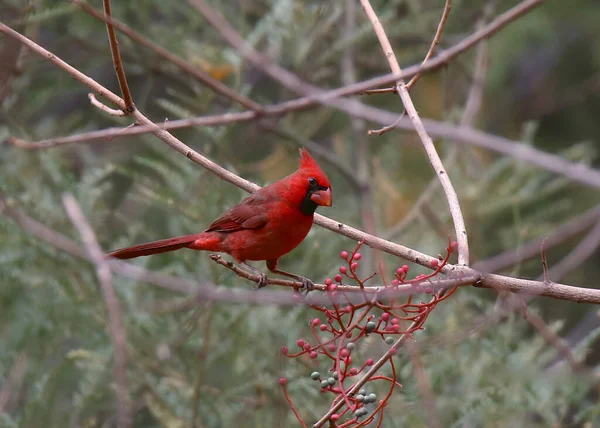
246, 215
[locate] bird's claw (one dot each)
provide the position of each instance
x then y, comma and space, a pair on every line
307, 285
263, 281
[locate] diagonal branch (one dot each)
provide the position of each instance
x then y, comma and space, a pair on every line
202, 76
434, 158
117, 329
117, 61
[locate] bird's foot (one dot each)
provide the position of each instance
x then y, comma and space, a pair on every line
307, 285
263, 281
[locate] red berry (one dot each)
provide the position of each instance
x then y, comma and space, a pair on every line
284, 350
393, 351
353, 266
333, 287
338, 278
434, 263
348, 360
357, 256
369, 362
343, 269
405, 268
395, 320
385, 316
323, 327
395, 282
313, 354
395, 328
331, 347
316, 321
306, 346
453, 245
328, 282
344, 353
300, 343
282, 381
335, 417
353, 371
344, 255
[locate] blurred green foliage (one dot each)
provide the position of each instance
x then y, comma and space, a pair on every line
220, 362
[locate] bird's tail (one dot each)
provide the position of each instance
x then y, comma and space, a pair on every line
155, 247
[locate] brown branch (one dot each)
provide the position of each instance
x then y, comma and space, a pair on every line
117, 329
209, 292
434, 158
202, 76
553, 339
117, 61
531, 249
434, 42
486, 280
472, 106
584, 250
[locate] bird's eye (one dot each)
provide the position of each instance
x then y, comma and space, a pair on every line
312, 181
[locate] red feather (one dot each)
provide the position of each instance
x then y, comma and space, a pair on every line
264, 226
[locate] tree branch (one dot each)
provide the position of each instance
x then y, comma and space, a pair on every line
436, 163
117, 329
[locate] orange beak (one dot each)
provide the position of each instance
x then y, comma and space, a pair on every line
322, 197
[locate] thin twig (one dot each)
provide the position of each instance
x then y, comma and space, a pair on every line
553, 339
117, 61
117, 329
434, 158
472, 106
434, 42
202, 76
584, 250
94, 101
531, 249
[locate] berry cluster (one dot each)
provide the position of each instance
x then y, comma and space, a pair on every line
336, 335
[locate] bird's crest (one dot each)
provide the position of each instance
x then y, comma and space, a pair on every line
307, 163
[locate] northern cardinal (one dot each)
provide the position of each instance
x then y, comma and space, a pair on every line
266, 225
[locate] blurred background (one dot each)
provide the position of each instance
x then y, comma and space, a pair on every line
201, 364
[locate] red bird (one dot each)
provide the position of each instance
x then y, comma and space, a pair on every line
266, 225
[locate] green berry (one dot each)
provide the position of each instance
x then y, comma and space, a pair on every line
331, 381
360, 398
363, 392
372, 397
371, 326
324, 384
350, 346
335, 375
315, 376
389, 340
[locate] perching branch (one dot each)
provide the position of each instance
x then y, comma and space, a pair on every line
559, 291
